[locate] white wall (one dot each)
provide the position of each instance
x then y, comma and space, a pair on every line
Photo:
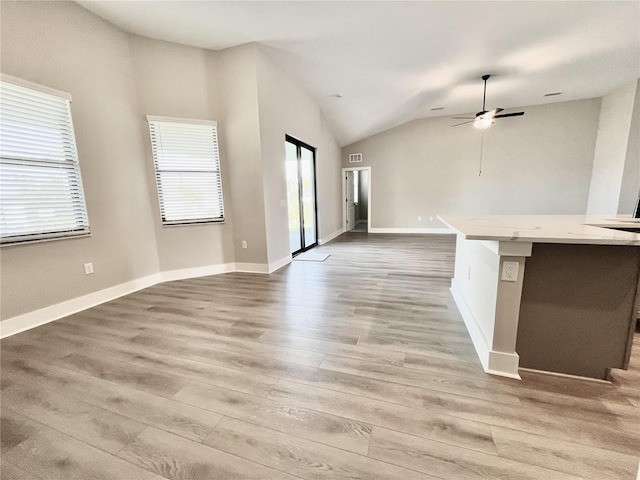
240, 134
63, 46
539, 163
116, 79
630, 187
177, 81
610, 155
286, 109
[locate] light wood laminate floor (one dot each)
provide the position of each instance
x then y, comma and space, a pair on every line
358, 367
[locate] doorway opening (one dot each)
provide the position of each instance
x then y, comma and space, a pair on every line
356, 190
300, 164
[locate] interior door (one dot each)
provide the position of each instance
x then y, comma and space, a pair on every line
350, 200
301, 195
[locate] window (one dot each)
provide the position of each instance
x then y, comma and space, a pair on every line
185, 155
41, 195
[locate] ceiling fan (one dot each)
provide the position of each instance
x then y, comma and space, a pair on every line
484, 119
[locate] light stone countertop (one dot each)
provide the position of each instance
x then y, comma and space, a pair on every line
575, 229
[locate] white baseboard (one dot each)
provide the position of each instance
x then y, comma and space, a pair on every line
565, 375
493, 362
437, 231
504, 364
251, 267
277, 265
331, 236
196, 272
33, 319
18, 324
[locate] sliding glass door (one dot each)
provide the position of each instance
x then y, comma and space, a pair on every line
301, 195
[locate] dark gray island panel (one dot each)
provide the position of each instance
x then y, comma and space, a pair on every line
578, 308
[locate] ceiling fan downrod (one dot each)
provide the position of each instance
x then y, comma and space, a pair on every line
484, 95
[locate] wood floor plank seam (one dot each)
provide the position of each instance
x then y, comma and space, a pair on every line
543, 407
205, 344
200, 443
515, 398
81, 398
408, 367
398, 382
449, 413
301, 438
324, 348
547, 465
338, 448
258, 357
238, 372
222, 349
264, 465
193, 467
22, 472
112, 416
391, 428
67, 435
287, 433
196, 382
467, 473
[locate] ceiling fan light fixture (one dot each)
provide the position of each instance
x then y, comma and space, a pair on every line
485, 118
483, 122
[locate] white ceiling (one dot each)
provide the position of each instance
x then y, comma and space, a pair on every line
394, 61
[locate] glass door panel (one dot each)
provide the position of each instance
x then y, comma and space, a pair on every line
293, 197
301, 195
308, 196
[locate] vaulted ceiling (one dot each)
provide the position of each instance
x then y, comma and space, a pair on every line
395, 61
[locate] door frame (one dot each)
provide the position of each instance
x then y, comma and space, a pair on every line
344, 195
299, 144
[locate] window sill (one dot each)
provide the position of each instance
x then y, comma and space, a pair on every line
42, 239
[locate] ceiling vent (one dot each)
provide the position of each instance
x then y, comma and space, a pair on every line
355, 158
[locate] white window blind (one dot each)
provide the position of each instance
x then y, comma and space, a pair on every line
41, 193
185, 155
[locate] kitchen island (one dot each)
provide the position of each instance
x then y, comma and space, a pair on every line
551, 293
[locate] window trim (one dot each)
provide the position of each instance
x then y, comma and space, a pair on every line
35, 86
46, 236
192, 121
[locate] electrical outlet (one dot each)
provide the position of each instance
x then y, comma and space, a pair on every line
244, 244
431, 219
510, 271
419, 218
283, 203
88, 268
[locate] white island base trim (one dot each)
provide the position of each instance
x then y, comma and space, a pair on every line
494, 362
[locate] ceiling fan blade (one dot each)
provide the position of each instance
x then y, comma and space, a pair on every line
514, 114
491, 113
468, 118
463, 123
